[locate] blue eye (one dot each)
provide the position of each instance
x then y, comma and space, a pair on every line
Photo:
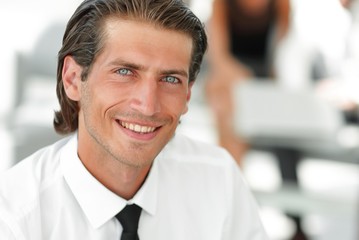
124, 71
171, 79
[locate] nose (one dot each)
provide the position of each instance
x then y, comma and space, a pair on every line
146, 98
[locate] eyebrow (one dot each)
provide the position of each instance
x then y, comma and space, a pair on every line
119, 62
179, 72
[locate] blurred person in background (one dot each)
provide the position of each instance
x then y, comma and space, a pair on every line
340, 82
243, 36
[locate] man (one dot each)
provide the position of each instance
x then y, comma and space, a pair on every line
125, 74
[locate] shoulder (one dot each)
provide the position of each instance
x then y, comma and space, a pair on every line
197, 161
194, 163
22, 184
184, 149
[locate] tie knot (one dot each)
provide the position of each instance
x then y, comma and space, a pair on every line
129, 217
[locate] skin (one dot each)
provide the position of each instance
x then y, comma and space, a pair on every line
138, 83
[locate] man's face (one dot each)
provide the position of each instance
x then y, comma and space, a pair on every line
135, 93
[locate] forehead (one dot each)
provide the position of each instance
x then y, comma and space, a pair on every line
130, 37
114, 22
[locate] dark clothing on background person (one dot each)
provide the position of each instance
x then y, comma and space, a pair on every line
250, 36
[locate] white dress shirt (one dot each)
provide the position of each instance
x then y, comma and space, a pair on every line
193, 191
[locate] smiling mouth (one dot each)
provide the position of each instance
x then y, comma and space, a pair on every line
137, 128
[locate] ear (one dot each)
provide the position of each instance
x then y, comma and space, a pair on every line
71, 77
189, 93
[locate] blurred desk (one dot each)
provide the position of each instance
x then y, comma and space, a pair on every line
300, 202
269, 116
329, 150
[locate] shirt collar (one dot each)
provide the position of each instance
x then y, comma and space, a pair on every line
99, 203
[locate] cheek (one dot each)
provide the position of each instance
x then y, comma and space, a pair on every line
106, 97
175, 105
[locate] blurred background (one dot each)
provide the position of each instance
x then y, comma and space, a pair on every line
292, 128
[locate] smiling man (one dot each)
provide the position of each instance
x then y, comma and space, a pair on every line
125, 73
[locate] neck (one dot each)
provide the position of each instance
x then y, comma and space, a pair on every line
121, 179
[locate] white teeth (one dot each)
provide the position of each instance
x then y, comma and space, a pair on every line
144, 129
137, 128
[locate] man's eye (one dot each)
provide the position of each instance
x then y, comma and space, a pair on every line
124, 71
170, 79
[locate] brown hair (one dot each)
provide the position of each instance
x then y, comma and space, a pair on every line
83, 40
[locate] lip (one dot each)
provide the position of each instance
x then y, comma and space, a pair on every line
138, 131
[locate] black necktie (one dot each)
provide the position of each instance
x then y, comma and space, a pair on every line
128, 218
